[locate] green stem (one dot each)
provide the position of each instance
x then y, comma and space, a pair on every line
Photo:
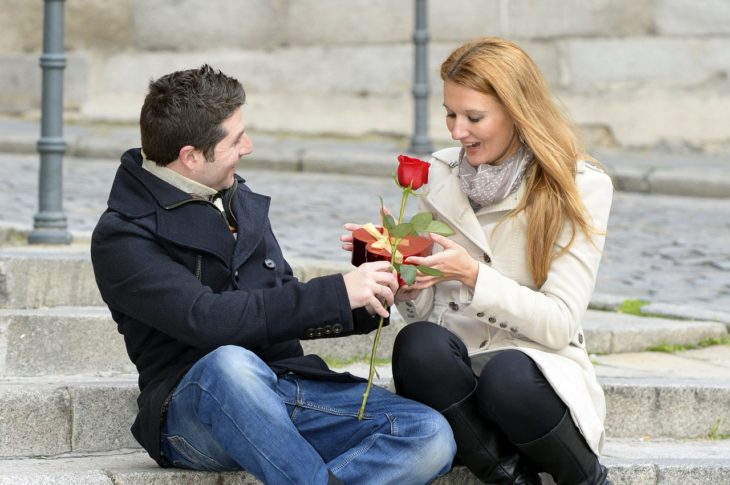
371, 374
403, 200
365, 394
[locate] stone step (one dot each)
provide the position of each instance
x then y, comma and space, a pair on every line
661, 462
84, 340
51, 416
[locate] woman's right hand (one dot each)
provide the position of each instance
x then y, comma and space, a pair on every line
346, 239
406, 293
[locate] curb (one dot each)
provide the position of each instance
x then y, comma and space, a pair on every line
676, 174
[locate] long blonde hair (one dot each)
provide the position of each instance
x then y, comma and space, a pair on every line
500, 68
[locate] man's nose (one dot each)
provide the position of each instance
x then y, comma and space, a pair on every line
246, 145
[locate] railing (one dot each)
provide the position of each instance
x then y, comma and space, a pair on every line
421, 142
49, 224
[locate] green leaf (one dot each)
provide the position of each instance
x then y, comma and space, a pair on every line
388, 222
421, 221
429, 271
438, 227
401, 230
408, 273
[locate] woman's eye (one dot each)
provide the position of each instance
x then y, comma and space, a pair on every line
474, 120
451, 115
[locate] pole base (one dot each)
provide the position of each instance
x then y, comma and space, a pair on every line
49, 236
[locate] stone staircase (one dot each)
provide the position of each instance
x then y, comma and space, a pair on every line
67, 389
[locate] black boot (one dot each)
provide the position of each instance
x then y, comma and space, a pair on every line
484, 449
565, 455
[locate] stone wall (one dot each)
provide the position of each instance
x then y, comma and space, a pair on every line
632, 73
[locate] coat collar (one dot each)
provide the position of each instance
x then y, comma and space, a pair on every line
451, 204
187, 221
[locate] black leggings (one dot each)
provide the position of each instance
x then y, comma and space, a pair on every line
431, 365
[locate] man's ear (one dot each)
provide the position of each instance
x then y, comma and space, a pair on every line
188, 156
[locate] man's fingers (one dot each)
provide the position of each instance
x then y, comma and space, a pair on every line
378, 307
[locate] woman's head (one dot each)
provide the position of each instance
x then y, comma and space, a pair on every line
493, 70
500, 69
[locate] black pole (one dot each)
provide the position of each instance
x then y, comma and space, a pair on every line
49, 224
420, 142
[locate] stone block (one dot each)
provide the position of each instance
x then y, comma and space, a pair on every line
102, 416
603, 64
98, 24
184, 25
560, 18
652, 409
36, 278
459, 20
647, 117
688, 17
608, 332
333, 22
61, 341
21, 81
34, 420
21, 26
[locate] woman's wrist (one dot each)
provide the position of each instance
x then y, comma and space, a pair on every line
470, 276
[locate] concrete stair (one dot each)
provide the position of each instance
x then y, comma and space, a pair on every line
67, 389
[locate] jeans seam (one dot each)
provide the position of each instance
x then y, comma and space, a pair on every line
233, 423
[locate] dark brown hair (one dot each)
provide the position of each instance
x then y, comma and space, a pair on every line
187, 108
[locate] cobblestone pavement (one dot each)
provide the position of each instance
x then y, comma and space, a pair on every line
659, 248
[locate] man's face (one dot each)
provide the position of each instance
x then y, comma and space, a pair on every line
218, 173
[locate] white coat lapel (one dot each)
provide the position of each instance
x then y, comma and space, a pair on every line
451, 204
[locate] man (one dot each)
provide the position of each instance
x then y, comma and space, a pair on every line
211, 314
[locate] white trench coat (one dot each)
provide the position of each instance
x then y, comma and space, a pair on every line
506, 309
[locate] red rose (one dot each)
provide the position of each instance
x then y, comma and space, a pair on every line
412, 171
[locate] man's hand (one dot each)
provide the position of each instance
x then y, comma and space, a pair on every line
372, 285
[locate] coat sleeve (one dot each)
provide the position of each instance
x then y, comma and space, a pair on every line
139, 279
552, 314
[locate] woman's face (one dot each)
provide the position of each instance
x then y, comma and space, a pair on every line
480, 123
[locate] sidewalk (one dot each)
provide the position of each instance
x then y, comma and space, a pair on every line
691, 174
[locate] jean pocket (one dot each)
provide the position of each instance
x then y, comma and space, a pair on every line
185, 455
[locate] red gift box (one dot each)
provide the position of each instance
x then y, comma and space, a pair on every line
363, 252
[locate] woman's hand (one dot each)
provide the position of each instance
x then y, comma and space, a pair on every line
406, 293
346, 239
454, 262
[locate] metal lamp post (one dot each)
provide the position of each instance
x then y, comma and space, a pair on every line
49, 224
420, 142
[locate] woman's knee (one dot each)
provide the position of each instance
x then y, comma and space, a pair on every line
508, 376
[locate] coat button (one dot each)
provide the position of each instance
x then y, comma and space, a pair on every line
487, 259
502, 325
492, 320
513, 329
309, 333
454, 306
337, 328
327, 329
269, 263
480, 314
580, 338
409, 304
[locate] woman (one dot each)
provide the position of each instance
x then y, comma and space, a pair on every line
495, 343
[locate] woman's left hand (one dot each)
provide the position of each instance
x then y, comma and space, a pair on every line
454, 262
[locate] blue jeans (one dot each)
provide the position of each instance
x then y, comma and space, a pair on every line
232, 412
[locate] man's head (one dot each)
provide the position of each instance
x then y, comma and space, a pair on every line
187, 108
191, 122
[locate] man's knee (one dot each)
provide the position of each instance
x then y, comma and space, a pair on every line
231, 364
